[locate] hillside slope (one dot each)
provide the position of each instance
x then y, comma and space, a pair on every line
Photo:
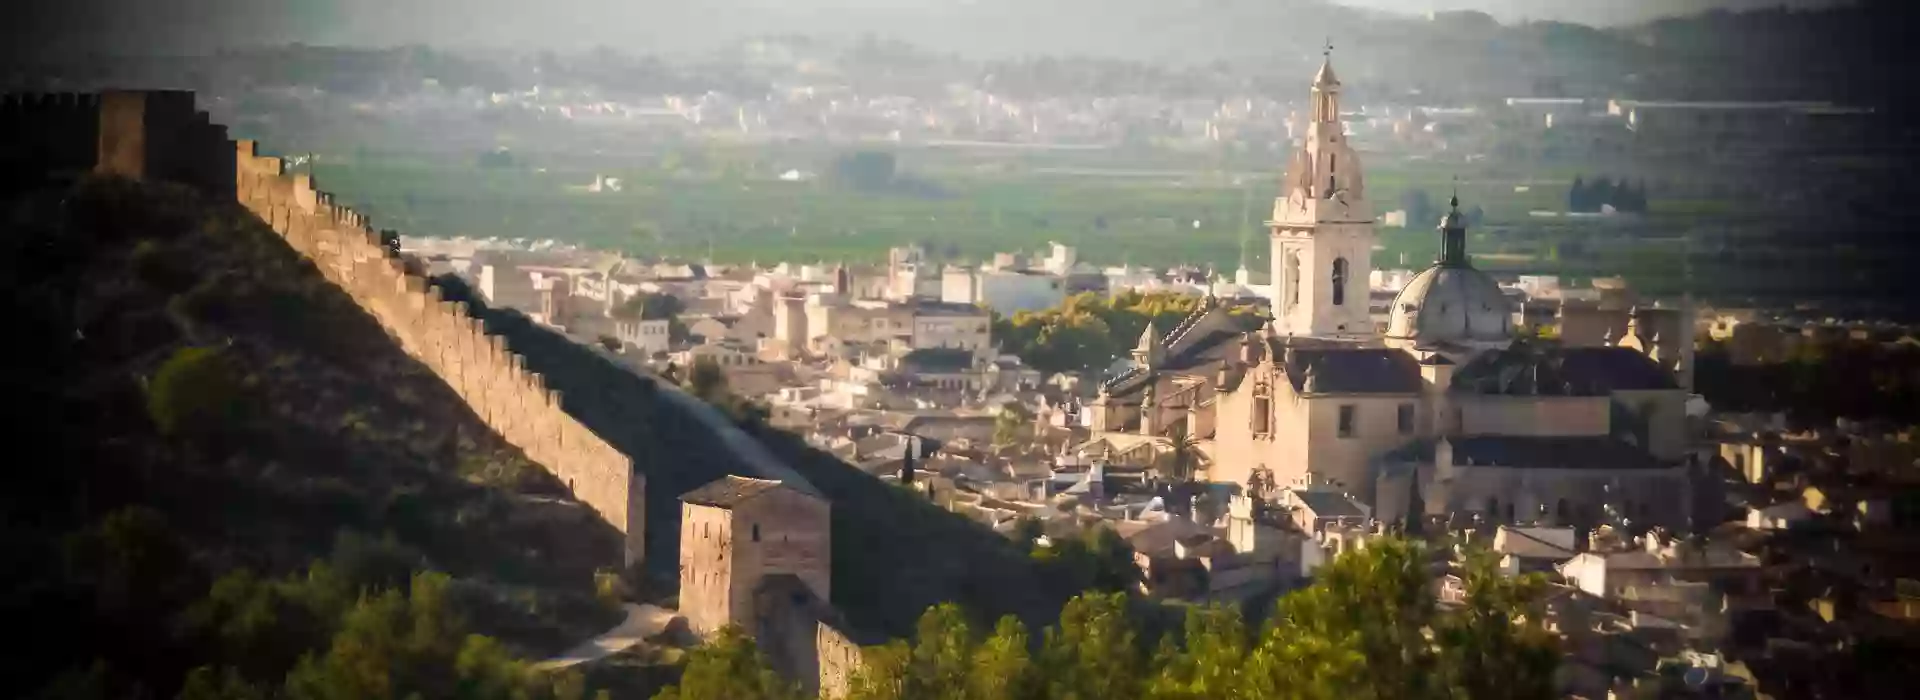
202, 402
894, 554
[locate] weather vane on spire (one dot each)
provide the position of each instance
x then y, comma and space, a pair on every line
1456, 192
1328, 51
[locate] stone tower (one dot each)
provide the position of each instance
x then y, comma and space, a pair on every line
790, 324
1322, 228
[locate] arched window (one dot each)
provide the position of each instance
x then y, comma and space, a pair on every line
756, 532
1339, 281
1290, 280
1262, 411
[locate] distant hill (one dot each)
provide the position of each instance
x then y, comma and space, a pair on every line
1848, 54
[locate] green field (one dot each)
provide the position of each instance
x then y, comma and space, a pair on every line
735, 208
1146, 218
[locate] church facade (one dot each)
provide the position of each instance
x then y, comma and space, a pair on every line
1449, 415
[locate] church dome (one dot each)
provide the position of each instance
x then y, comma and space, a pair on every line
1451, 302
1444, 304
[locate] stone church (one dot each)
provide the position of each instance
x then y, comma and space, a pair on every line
1447, 414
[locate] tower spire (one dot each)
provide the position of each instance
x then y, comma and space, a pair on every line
1325, 79
1453, 233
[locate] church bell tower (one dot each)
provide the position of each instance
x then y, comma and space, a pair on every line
1322, 228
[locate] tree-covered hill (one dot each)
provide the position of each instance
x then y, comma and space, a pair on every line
220, 463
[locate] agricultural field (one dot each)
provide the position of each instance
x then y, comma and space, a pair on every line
1113, 214
729, 203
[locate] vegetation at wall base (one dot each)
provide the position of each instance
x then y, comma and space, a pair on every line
1369, 627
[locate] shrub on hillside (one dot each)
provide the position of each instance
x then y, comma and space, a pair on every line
195, 391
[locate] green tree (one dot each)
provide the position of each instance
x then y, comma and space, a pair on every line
1496, 646
706, 380
942, 655
1098, 560
194, 392
729, 667
1307, 653
1419, 208
1207, 664
1010, 424
206, 683
1002, 668
866, 170
1094, 653
134, 562
1181, 460
653, 307
883, 672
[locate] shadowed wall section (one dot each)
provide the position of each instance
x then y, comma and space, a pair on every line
493, 381
159, 136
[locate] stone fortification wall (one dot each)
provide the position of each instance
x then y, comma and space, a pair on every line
49, 133
158, 134
839, 659
442, 335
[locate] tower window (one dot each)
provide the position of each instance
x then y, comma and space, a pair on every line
756, 532
1339, 281
1346, 420
1262, 413
1292, 280
1405, 418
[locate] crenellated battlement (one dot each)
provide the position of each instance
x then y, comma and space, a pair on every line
160, 136
49, 133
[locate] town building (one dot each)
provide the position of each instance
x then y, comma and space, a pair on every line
1446, 413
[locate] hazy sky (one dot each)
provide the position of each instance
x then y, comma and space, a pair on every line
200, 25
1582, 11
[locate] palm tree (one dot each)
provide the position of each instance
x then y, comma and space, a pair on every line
1181, 459
1009, 425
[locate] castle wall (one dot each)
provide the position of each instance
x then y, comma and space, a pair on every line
493, 381
706, 572
838, 658
49, 133
159, 135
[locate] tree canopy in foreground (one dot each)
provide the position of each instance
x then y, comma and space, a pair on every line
1369, 628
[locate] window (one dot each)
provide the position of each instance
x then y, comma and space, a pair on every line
1292, 280
1339, 281
756, 532
1346, 421
1262, 413
1405, 418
